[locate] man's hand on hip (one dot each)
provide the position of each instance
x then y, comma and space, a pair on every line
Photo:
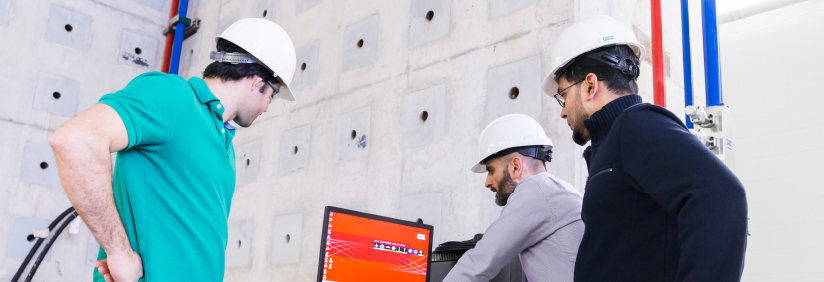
121, 268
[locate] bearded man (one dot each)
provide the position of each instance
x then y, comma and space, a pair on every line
541, 219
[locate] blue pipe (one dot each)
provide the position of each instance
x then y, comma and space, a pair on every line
685, 35
174, 63
712, 67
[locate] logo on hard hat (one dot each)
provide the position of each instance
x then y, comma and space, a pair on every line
607, 38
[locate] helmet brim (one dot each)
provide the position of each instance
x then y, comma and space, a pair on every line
479, 168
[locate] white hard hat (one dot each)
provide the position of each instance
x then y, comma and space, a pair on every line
510, 131
584, 36
268, 44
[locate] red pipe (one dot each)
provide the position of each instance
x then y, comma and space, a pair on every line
167, 52
658, 79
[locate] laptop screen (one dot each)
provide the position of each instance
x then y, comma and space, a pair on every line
364, 247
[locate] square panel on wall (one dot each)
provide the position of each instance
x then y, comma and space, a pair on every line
68, 27
422, 116
154, 4
294, 150
286, 238
226, 20
428, 20
92, 250
360, 43
4, 12
306, 69
137, 50
56, 94
21, 238
502, 7
360, 207
38, 165
265, 9
190, 52
303, 5
423, 208
352, 136
514, 88
247, 162
239, 242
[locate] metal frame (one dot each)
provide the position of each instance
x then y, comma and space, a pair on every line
322, 256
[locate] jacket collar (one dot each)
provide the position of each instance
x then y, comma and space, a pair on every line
601, 121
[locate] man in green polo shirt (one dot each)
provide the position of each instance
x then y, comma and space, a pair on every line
163, 217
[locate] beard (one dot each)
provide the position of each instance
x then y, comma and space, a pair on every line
578, 128
505, 188
578, 137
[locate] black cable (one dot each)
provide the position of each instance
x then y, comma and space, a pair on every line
48, 246
37, 245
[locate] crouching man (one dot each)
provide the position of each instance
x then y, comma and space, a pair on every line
541, 218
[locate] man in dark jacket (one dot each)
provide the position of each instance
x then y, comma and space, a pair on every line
658, 205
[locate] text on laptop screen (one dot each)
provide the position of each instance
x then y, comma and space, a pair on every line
363, 249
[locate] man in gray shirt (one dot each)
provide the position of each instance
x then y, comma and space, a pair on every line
541, 218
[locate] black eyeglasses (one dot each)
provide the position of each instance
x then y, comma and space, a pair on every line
560, 98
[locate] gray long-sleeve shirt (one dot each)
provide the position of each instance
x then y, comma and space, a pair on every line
541, 223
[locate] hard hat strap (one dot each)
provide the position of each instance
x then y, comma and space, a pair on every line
234, 58
239, 58
537, 152
625, 66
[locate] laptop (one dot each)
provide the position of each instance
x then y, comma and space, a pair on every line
362, 247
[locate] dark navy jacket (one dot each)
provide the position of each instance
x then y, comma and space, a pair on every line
658, 206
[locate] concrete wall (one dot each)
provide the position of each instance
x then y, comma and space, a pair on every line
353, 139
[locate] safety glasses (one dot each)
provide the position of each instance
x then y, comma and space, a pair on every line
276, 90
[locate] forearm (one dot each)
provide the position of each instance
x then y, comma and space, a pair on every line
84, 165
522, 223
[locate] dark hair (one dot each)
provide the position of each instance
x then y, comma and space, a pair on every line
234, 72
613, 78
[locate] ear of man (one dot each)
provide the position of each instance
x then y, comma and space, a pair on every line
592, 87
257, 83
516, 166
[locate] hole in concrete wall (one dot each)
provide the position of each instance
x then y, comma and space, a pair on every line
265, 12
288, 238
247, 162
354, 134
303, 67
30, 237
424, 116
360, 43
513, 93
68, 27
295, 152
420, 220
238, 243
138, 51
430, 15
44, 165
56, 95
191, 52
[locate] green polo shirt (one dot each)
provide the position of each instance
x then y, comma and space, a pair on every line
173, 184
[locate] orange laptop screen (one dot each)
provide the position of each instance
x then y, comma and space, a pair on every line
363, 247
